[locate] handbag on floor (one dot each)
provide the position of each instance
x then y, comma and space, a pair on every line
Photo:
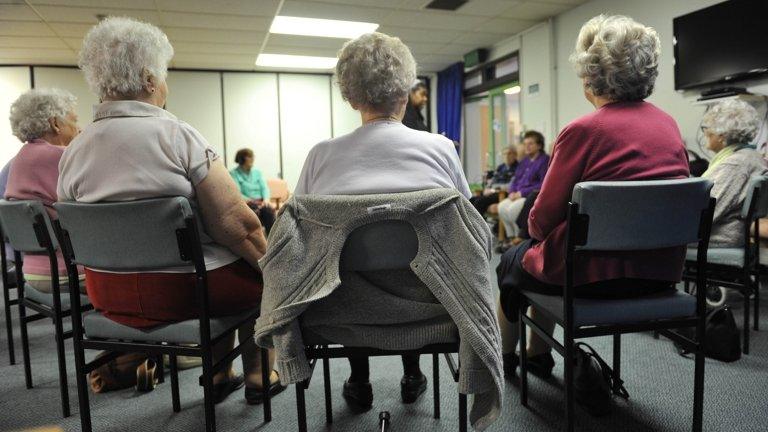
722, 340
593, 381
124, 371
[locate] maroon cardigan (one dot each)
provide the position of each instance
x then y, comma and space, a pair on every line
619, 141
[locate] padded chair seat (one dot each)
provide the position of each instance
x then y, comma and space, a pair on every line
97, 325
589, 312
733, 257
47, 299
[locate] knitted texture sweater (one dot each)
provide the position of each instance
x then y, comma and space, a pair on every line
301, 271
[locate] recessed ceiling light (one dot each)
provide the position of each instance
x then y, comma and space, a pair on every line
321, 27
512, 90
295, 61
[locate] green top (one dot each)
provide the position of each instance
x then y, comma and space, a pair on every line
252, 185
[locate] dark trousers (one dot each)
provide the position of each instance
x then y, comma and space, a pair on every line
361, 368
513, 278
522, 219
266, 215
482, 202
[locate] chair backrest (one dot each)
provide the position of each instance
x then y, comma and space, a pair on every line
641, 215
131, 236
23, 223
278, 188
757, 191
385, 245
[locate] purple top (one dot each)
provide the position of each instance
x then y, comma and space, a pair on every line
529, 175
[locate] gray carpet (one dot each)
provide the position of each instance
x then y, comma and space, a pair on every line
659, 381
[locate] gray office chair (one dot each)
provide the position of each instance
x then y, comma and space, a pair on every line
29, 231
737, 268
627, 216
8, 278
145, 235
386, 245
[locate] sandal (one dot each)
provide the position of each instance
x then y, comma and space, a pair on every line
255, 395
225, 388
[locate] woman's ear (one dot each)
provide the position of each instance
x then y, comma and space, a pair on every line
149, 82
55, 125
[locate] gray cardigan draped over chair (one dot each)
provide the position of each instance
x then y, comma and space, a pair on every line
305, 289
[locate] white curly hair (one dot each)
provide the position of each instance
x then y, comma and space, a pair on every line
118, 52
31, 112
617, 57
376, 71
735, 120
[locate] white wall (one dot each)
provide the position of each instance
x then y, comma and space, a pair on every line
195, 97
73, 81
536, 82
13, 82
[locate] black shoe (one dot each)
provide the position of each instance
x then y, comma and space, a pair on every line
359, 395
541, 365
225, 388
411, 387
255, 396
511, 361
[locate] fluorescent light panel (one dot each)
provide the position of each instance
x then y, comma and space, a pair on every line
512, 90
321, 27
295, 61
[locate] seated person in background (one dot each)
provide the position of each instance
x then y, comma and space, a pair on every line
253, 187
382, 156
504, 174
528, 178
730, 126
136, 150
625, 138
45, 121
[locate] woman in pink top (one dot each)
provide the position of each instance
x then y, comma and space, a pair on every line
43, 119
625, 138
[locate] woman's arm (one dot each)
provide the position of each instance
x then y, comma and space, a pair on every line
729, 189
227, 218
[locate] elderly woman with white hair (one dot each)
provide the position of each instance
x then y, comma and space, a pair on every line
45, 120
134, 150
729, 127
624, 138
375, 73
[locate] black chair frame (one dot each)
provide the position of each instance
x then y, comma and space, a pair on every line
744, 279
325, 353
8, 285
190, 250
577, 229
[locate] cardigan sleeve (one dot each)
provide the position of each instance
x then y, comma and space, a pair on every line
565, 170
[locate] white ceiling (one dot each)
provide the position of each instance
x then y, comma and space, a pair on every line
229, 34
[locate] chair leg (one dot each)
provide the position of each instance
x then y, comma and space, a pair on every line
82, 389
746, 321
63, 386
698, 391
210, 409
436, 383
568, 359
265, 384
160, 368
462, 412
616, 363
9, 324
327, 388
174, 367
756, 303
25, 344
523, 360
301, 408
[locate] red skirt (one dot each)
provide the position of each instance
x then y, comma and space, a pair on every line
143, 300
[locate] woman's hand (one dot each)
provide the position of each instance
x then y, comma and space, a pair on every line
514, 196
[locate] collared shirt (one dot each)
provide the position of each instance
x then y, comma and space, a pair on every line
132, 151
251, 184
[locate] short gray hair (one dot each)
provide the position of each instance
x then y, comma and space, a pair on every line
117, 52
735, 120
618, 57
376, 71
30, 113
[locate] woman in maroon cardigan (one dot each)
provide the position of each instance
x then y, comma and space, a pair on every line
625, 138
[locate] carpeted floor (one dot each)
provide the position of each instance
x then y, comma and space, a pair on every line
659, 381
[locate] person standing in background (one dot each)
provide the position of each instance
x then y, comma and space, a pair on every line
417, 100
253, 187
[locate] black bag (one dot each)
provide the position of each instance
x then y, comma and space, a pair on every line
722, 341
697, 165
593, 381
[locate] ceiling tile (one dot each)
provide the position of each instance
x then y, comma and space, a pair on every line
227, 22
24, 28
88, 15
71, 30
304, 41
308, 9
31, 42
43, 54
214, 48
433, 20
486, 8
17, 12
477, 39
233, 7
505, 26
272, 48
213, 36
119, 4
419, 35
534, 11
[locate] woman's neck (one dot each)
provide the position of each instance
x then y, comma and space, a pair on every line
534, 156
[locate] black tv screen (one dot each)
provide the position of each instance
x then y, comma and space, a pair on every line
721, 44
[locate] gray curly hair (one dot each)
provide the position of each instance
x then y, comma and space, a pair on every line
117, 52
735, 120
376, 71
30, 113
617, 57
